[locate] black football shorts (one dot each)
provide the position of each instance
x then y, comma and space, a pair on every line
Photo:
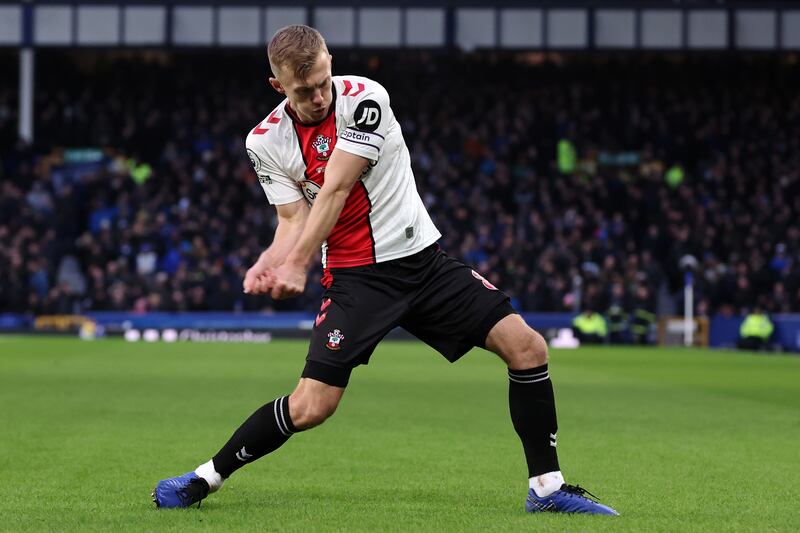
434, 297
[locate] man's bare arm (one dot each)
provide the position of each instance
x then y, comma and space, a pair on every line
343, 171
291, 221
341, 174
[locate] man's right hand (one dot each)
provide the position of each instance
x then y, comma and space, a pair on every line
258, 279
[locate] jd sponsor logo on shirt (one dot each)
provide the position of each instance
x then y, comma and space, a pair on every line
368, 115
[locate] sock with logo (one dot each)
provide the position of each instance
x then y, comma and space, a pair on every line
264, 432
533, 413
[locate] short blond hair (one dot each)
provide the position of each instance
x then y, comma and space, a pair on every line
296, 48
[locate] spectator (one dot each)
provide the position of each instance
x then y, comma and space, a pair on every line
590, 327
644, 316
617, 315
755, 331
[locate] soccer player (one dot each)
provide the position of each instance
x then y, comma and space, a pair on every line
332, 159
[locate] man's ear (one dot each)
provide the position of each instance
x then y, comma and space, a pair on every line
277, 85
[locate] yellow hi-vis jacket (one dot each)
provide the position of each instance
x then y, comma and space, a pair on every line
591, 325
756, 325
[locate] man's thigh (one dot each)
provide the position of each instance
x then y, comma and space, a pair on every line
455, 309
356, 312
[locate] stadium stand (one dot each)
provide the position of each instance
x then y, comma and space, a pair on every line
671, 158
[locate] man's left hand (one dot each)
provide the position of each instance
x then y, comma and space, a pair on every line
289, 281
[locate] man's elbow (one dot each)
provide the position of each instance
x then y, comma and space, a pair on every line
339, 190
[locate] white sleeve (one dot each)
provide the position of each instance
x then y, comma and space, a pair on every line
279, 188
365, 129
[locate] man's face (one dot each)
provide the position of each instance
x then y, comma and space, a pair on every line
311, 97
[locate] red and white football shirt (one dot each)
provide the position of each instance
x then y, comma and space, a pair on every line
384, 217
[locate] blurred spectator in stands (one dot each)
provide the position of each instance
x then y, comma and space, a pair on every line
590, 327
755, 331
617, 315
643, 316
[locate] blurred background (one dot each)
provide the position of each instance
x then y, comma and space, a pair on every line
628, 172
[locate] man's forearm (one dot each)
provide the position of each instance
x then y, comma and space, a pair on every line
286, 235
324, 214
342, 173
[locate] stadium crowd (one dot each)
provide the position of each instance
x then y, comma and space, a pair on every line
571, 183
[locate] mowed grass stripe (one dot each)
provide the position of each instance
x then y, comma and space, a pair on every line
674, 439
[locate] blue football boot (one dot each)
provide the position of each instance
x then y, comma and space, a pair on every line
181, 491
567, 499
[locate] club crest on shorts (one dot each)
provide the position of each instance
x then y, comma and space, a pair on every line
322, 145
484, 281
335, 338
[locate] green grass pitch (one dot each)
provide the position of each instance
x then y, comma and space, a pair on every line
676, 440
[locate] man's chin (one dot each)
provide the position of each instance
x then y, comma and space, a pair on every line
313, 115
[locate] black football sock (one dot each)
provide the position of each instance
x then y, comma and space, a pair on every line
533, 413
264, 432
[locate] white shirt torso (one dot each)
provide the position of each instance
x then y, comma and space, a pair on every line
384, 217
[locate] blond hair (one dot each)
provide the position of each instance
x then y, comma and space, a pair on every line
296, 48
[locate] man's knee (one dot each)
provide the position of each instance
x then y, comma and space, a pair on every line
517, 343
307, 411
310, 406
532, 352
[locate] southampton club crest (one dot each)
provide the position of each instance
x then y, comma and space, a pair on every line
335, 338
322, 145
